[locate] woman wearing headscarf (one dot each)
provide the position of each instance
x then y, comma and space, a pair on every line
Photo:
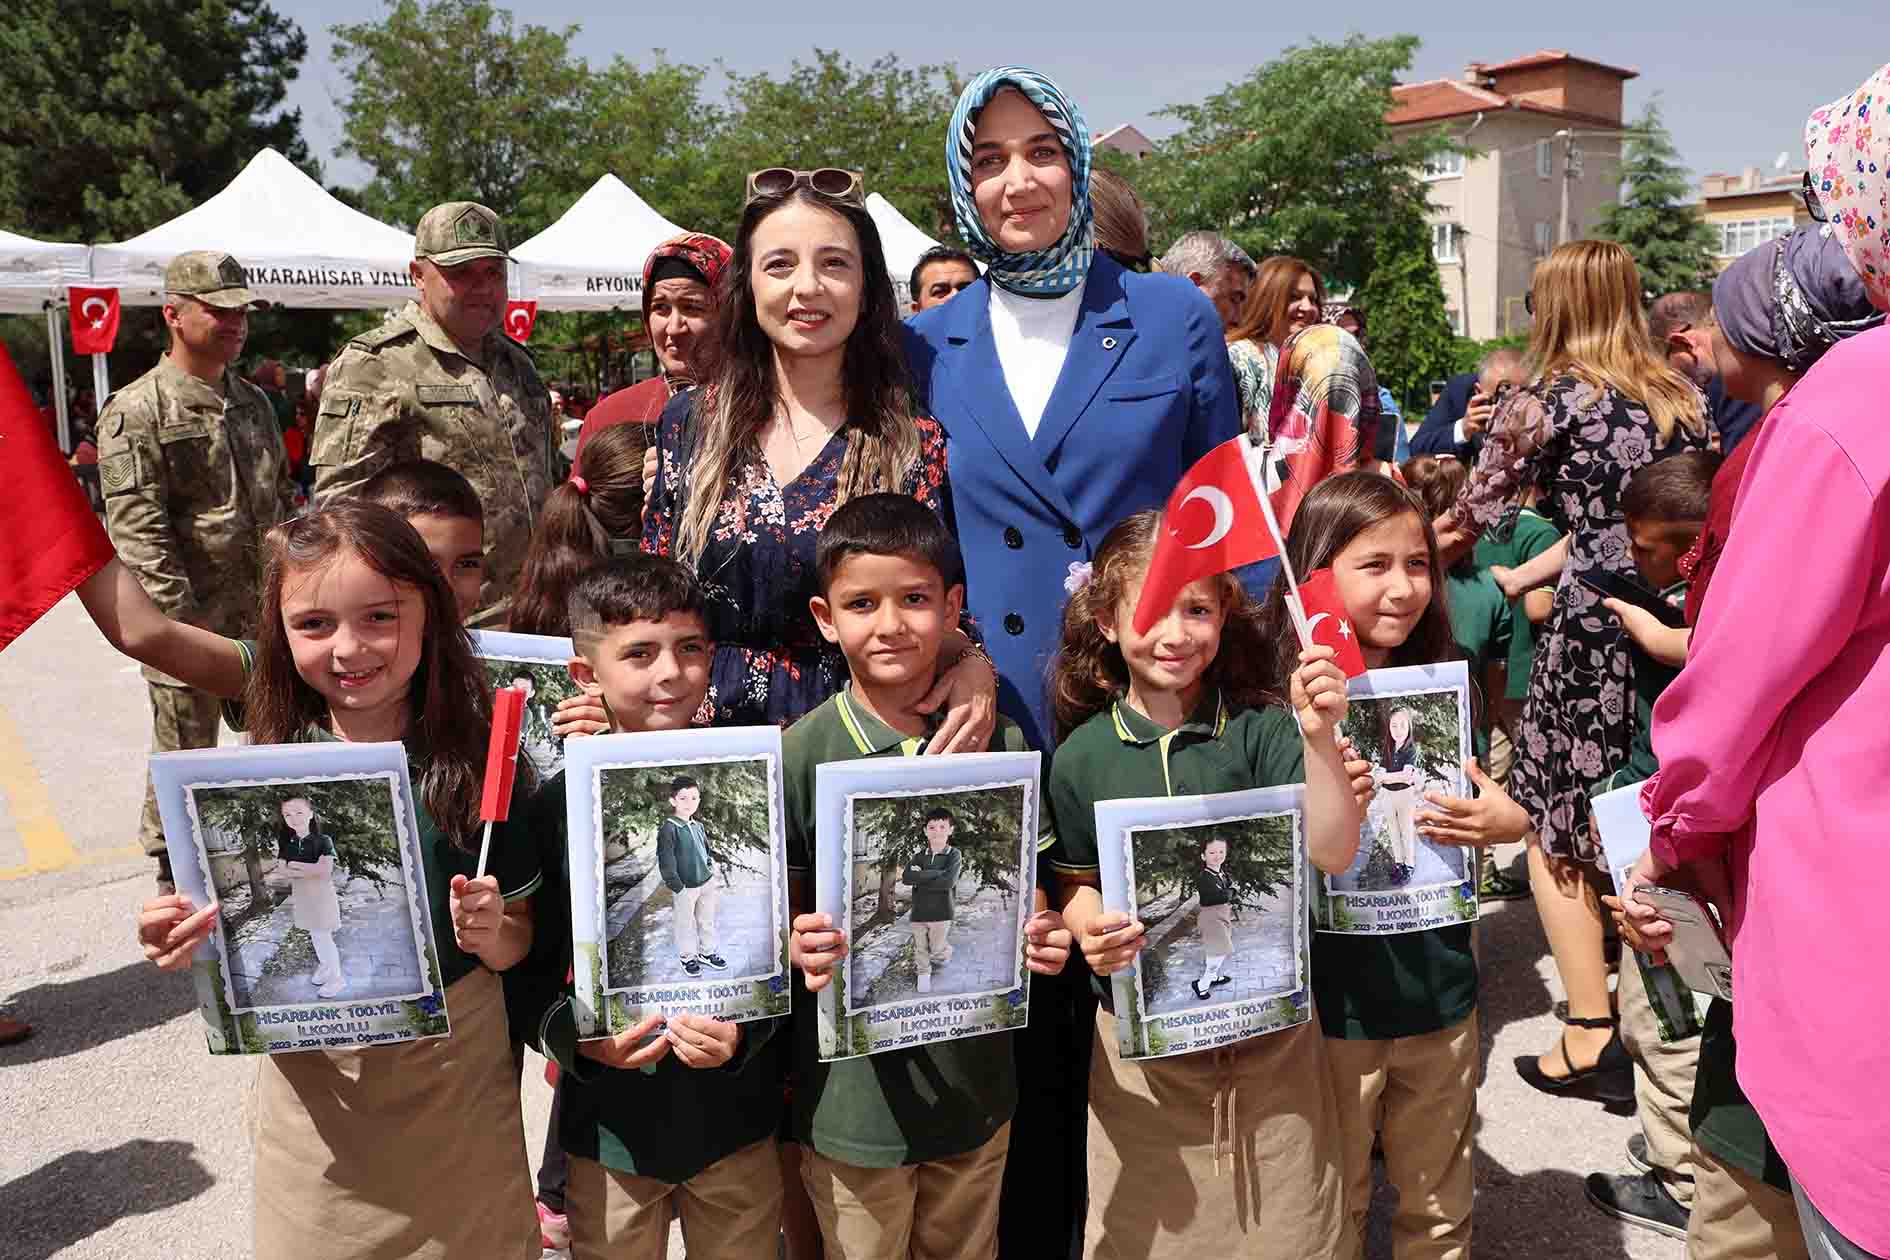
1324, 415
1767, 797
679, 284
1073, 392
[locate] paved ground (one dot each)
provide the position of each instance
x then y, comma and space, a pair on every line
983, 944
121, 1137
1261, 965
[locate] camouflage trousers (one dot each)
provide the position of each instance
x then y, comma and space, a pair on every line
181, 717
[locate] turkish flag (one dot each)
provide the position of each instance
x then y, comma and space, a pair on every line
519, 318
49, 540
94, 319
1326, 623
1214, 522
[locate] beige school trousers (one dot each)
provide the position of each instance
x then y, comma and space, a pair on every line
945, 1209
1421, 1094
1663, 1082
731, 1210
1737, 1216
931, 945
694, 920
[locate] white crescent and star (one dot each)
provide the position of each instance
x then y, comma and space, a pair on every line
1223, 514
1312, 625
520, 321
104, 309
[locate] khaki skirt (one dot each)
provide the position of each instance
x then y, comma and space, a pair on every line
415, 1149
1217, 930
1219, 1153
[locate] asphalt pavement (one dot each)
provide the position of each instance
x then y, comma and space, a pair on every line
120, 1136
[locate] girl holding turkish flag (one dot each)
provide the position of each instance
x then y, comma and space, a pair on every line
1174, 706
1398, 1012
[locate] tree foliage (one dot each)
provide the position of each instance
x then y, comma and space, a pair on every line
1434, 726
1295, 158
987, 830
1409, 333
358, 814
735, 808
1672, 246
1259, 861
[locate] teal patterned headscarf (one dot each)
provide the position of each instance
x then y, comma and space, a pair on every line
1042, 273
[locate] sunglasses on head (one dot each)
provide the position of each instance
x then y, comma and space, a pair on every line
828, 181
1814, 205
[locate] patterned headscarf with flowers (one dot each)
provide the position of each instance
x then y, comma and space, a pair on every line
1847, 144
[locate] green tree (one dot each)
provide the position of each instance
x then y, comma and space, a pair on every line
449, 100
358, 814
1259, 861
986, 831
1411, 341
1295, 158
735, 809
1671, 244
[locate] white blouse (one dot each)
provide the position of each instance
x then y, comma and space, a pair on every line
1033, 337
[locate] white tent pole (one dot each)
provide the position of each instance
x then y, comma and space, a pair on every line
101, 381
56, 343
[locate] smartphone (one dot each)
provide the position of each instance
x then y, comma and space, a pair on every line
1614, 586
1698, 950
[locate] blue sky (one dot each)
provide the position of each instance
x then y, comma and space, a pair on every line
1736, 77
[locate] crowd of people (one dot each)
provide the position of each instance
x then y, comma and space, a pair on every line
927, 531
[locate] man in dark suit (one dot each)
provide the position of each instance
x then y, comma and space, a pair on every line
1457, 420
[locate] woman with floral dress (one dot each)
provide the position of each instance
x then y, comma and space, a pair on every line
1601, 405
807, 406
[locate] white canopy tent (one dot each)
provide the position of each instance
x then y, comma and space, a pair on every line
902, 242
592, 258
33, 278
301, 246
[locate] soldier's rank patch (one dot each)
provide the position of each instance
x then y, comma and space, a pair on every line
118, 473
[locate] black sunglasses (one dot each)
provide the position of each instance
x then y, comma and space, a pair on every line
828, 181
1529, 301
1814, 206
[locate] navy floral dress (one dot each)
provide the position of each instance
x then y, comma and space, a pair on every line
771, 666
1577, 443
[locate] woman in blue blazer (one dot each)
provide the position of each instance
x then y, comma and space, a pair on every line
1048, 447
1072, 393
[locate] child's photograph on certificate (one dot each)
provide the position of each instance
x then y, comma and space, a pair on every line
936, 888
537, 665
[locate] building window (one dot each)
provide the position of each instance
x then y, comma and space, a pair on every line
1738, 236
1545, 240
1443, 166
1545, 158
1444, 242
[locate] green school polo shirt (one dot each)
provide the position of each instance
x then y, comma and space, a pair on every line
668, 1121
897, 1107
1480, 622
1509, 545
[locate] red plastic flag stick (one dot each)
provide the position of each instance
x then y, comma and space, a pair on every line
495, 802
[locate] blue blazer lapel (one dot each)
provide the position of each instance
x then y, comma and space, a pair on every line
977, 377
1102, 337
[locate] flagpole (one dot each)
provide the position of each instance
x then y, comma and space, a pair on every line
1256, 473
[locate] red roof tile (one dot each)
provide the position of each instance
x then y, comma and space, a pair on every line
1440, 98
1549, 56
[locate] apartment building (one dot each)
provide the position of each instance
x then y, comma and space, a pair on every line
1546, 130
1750, 208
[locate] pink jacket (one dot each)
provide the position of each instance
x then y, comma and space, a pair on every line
1773, 747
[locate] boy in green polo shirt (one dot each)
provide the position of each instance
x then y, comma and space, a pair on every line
903, 1151
671, 1116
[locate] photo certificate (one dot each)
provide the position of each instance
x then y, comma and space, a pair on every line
1220, 885
929, 865
678, 862
324, 936
538, 664
1413, 724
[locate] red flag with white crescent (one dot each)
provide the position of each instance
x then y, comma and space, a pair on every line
1327, 624
94, 319
1214, 522
519, 318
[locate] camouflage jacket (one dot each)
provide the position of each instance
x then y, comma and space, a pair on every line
404, 391
192, 481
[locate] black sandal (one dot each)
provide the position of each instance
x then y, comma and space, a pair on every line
1610, 1078
1200, 992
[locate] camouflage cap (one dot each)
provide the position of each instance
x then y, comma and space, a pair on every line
459, 232
212, 277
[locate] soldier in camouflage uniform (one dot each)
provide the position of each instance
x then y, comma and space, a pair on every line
441, 381
193, 470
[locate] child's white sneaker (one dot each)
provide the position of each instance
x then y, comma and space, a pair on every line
333, 988
925, 983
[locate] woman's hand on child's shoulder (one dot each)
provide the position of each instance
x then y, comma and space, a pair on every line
1047, 942
1359, 771
1492, 817
1318, 688
581, 714
170, 930
634, 1047
701, 1041
816, 947
477, 909
1111, 941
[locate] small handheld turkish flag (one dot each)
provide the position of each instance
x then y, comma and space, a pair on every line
1325, 623
94, 319
495, 798
519, 318
1214, 522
